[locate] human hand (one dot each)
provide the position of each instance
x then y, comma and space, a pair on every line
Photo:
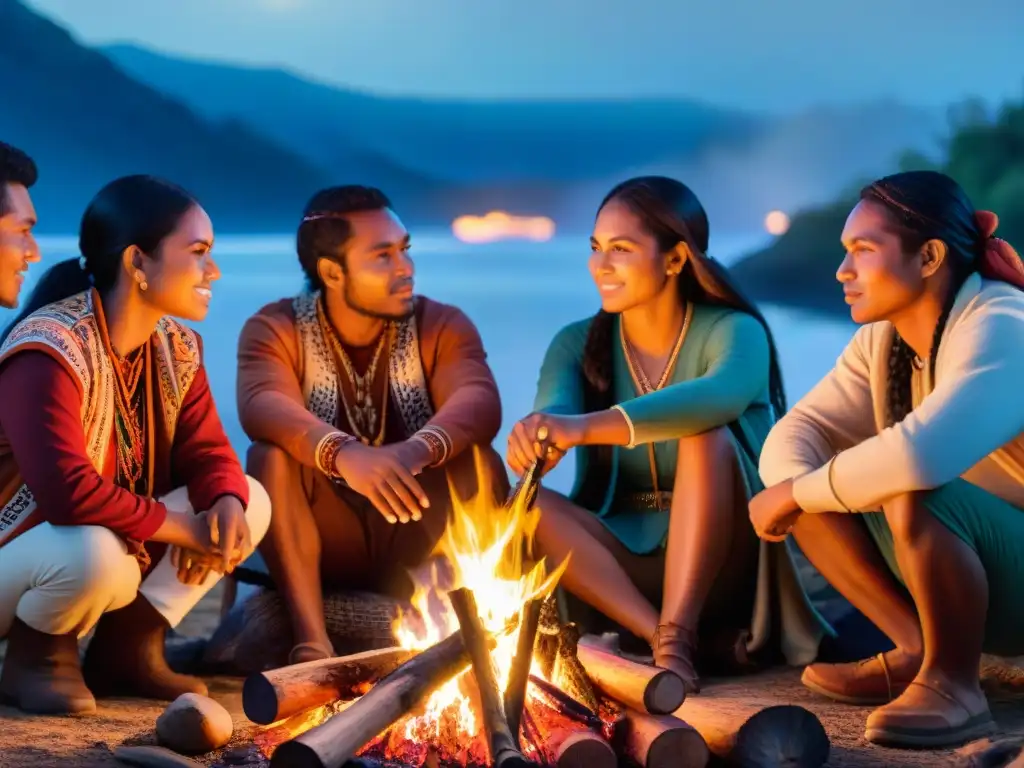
382, 476
228, 532
774, 511
414, 455
541, 435
193, 566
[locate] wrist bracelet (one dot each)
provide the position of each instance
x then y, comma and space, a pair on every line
327, 452
832, 486
438, 441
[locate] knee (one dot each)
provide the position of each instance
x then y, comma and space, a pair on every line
96, 563
714, 445
258, 512
267, 462
905, 514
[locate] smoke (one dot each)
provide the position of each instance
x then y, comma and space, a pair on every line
797, 162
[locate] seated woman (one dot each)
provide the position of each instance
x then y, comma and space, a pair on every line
679, 369
111, 449
919, 430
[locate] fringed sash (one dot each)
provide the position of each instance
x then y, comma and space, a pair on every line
70, 330
406, 379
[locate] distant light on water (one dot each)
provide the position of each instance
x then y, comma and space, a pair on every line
777, 223
498, 225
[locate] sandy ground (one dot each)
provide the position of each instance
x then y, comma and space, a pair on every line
41, 742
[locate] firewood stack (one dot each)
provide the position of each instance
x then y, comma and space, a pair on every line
570, 703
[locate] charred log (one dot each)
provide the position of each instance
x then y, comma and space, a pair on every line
334, 742
503, 747
280, 693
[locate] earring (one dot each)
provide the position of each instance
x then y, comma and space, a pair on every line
143, 285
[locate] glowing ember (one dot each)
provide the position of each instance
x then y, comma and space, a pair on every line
485, 550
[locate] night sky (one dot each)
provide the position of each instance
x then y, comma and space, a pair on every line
777, 55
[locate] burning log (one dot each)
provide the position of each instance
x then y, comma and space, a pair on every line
561, 745
663, 741
330, 744
503, 747
641, 687
280, 693
746, 734
569, 672
515, 694
581, 749
557, 699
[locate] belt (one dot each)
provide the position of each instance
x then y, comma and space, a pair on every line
648, 500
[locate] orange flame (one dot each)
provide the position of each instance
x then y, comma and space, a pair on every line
484, 549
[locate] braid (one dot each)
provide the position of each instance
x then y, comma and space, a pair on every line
899, 398
901, 356
940, 327
597, 354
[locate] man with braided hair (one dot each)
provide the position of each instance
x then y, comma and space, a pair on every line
918, 432
362, 399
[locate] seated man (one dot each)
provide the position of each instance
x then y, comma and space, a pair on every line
360, 398
901, 474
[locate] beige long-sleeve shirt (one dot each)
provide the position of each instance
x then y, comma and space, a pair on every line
970, 424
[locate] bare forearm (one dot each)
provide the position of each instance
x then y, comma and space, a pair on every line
607, 427
180, 529
276, 419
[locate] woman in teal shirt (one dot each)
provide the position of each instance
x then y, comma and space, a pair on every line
668, 392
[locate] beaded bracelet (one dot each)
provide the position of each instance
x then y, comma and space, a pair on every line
327, 452
438, 441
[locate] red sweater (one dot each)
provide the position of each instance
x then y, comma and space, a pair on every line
40, 410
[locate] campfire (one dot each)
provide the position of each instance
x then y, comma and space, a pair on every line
482, 674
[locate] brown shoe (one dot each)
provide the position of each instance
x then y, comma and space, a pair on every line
42, 675
126, 657
865, 683
674, 649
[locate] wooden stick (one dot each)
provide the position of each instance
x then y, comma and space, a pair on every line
330, 744
503, 748
515, 693
280, 693
581, 749
642, 687
663, 741
748, 734
569, 673
557, 699
562, 744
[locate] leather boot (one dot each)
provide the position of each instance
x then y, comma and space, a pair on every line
674, 649
126, 656
42, 675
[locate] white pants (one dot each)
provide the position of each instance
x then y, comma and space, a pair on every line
61, 579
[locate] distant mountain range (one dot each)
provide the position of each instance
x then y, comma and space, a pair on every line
86, 122
254, 143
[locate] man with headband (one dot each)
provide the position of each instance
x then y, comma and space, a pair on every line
901, 474
362, 399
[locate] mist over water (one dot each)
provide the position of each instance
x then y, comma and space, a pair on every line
519, 294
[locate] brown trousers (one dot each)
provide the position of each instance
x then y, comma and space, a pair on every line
359, 549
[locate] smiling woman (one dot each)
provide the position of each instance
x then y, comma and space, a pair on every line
668, 392
118, 448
